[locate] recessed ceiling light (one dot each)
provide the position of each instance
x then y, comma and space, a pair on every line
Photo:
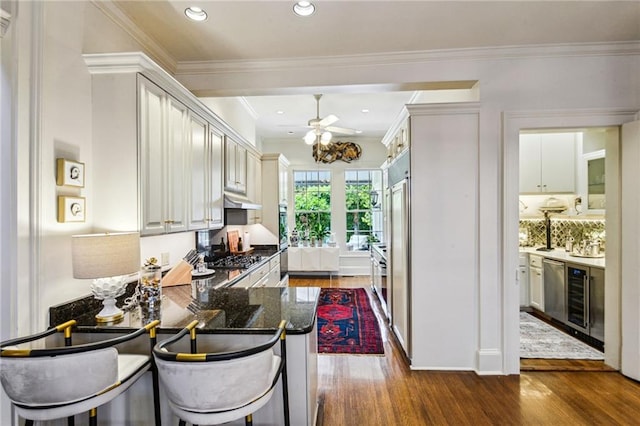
358, 131
364, 111
304, 8
195, 13
280, 112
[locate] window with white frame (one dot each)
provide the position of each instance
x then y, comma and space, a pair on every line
312, 208
363, 194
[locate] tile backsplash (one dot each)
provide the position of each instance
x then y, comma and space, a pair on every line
533, 231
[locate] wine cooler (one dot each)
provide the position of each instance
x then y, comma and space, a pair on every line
585, 300
578, 298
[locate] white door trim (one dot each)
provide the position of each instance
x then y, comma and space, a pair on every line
513, 122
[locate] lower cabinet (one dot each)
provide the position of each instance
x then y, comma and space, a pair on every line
536, 285
523, 279
310, 259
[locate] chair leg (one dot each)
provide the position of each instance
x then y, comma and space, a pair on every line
182, 423
71, 421
156, 395
248, 420
93, 417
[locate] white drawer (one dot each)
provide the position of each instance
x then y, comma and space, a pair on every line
245, 282
275, 261
535, 261
259, 273
522, 259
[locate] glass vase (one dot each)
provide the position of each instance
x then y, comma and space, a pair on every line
150, 284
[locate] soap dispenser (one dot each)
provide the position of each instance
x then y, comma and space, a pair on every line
569, 245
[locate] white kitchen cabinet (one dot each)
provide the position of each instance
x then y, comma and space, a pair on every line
206, 175
254, 187
163, 149
309, 259
198, 215
548, 162
259, 274
215, 202
312, 259
235, 164
275, 177
536, 284
144, 126
274, 271
523, 279
399, 141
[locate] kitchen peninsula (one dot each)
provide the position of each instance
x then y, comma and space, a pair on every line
229, 318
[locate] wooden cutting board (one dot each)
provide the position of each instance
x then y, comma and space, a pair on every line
233, 237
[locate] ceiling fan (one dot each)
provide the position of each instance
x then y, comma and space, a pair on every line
321, 129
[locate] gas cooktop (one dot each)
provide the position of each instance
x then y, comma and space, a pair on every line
235, 262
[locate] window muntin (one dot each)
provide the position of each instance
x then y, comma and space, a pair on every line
312, 209
363, 195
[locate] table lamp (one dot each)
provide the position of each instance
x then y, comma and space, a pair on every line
107, 258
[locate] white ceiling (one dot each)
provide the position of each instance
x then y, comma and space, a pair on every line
242, 30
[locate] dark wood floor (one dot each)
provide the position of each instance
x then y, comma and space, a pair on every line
374, 390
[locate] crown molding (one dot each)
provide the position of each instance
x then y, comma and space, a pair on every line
399, 58
247, 106
138, 62
155, 50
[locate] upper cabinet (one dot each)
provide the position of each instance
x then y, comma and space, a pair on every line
254, 187
399, 140
161, 151
275, 178
206, 175
235, 163
164, 137
547, 163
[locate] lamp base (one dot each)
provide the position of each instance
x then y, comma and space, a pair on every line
108, 289
110, 312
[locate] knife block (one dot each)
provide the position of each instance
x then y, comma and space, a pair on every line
178, 275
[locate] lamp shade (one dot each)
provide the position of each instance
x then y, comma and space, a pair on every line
105, 255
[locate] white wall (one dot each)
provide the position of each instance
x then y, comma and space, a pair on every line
444, 236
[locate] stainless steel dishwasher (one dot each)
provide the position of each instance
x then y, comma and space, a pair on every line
555, 293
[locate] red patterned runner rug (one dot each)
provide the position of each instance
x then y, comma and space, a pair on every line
346, 323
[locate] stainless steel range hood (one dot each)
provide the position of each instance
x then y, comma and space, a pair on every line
233, 201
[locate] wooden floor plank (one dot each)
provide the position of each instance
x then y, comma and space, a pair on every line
383, 391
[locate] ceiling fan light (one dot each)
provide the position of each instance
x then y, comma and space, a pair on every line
195, 13
304, 8
325, 138
310, 137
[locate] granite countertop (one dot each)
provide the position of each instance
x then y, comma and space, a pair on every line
213, 301
227, 310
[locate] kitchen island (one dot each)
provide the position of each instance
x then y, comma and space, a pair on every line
229, 318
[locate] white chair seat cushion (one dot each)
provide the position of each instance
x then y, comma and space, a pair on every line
129, 364
216, 386
123, 368
214, 395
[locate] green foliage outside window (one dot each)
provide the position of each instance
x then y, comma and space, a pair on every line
362, 217
312, 203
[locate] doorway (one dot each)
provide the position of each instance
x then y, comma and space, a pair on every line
562, 238
514, 123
